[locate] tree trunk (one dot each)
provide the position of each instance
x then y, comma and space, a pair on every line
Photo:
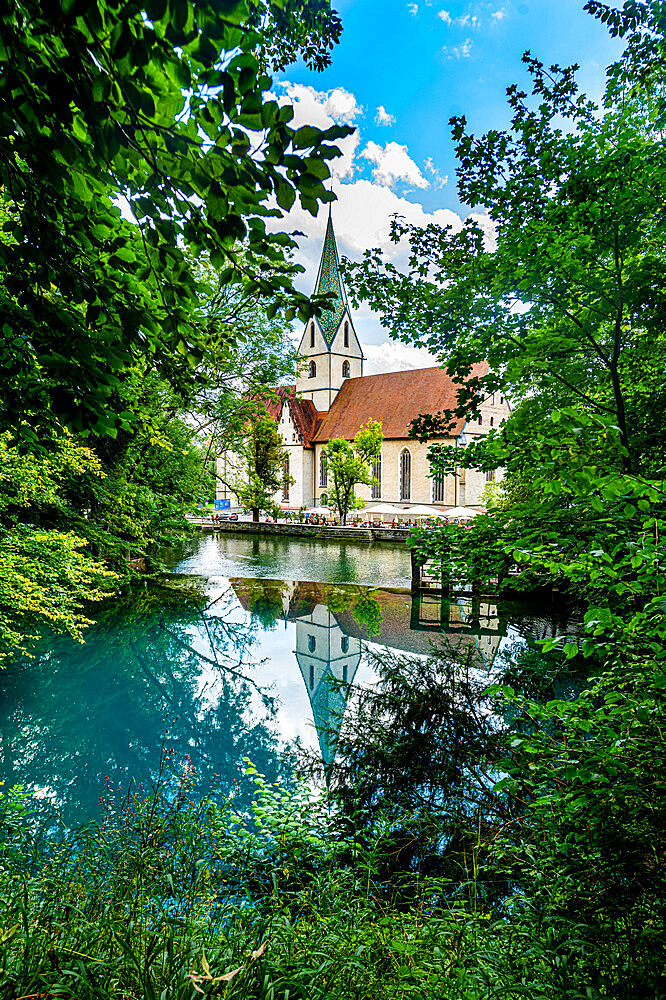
255, 513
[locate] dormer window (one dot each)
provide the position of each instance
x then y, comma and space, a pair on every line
312, 334
312, 371
346, 335
346, 370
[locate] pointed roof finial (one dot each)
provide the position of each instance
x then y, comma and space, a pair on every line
329, 279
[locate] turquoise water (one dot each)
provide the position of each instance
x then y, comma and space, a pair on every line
231, 657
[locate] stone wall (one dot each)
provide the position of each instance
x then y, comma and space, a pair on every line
311, 530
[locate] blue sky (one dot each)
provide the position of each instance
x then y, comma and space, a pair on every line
402, 69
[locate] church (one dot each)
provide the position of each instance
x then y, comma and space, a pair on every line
332, 398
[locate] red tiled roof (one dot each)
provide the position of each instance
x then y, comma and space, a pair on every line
305, 417
395, 399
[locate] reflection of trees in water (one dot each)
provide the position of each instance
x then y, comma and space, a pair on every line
418, 749
415, 757
78, 714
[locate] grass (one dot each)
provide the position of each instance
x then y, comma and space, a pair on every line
170, 898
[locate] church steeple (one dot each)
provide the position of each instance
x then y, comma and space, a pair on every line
330, 351
330, 280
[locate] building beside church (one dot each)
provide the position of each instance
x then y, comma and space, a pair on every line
332, 398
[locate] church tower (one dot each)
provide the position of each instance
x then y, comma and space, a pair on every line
329, 350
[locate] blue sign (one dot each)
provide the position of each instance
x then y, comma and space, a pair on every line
222, 504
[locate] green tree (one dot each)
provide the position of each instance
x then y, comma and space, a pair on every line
258, 464
46, 577
564, 297
163, 109
349, 464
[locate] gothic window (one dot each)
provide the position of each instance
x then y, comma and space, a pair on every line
285, 480
405, 474
439, 489
312, 334
346, 336
490, 476
345, 369
323, 470
312, 645
344, 645
377, 474
312, 372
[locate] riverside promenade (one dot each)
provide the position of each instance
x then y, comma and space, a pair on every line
328, 532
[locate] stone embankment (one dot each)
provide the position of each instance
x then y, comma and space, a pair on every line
331, 533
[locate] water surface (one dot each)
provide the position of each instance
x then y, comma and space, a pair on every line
226, 554
222, 661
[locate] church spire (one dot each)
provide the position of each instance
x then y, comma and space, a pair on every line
330, 280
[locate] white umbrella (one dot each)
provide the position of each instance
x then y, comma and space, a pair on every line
325, 511
384, 508
461, 512
420, 510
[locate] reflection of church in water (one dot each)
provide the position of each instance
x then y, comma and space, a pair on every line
328, 659
329, 644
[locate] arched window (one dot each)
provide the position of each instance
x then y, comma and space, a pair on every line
344, 665
312, 645
323, 470
346, 334
312, 371
480, 421
490, 476
323, 499
377, 474
438, 489
312, 333
285, 480
492, 421
345, 369
344, 645
405, 474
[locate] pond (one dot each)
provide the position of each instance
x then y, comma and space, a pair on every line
234, 655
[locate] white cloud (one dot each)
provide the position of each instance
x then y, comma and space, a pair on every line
463, 51
323, 109
395, 357
438, 180
341, 105
487, 226
392, 164
413, 9
383, 117
464, 21
498, 15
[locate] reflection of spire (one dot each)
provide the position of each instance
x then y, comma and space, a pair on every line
330, 280
328, 659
